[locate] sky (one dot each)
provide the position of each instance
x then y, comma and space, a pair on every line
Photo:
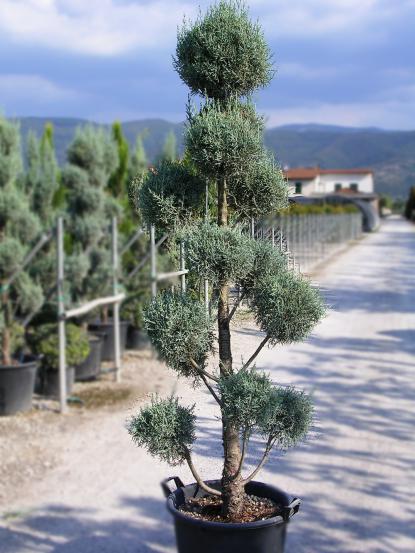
338, 62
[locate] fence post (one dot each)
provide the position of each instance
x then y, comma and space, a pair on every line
182, 268
153, 264
116, 308
61, 317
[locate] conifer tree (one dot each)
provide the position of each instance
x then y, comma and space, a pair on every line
118, 180
169, 151
19, 227
92, 158
223, 57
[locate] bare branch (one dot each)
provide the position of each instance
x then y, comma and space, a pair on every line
211, 390
256, 352
202, 371
196, 476
243, 452
237, 304
264, 459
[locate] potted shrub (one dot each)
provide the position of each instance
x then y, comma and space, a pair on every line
19, 293
45, 342
132, 311
224, 58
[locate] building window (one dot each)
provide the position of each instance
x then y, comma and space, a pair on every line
354, 186
298, 187
338, 186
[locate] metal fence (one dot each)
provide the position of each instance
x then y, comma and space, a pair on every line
310, 239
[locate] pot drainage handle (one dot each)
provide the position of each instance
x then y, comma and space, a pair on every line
168, 488
291, 509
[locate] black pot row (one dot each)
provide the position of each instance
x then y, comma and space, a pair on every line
18, 382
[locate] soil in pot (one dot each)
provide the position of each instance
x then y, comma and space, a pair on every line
90, 368
49, 381
17, 383
108, 330
137, 339
210, 508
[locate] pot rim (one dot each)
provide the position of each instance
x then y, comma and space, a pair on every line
28, 361
276, 520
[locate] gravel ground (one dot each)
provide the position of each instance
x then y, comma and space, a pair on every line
356, 476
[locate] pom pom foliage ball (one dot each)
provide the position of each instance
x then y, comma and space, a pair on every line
169, 195
224, 140
286, 307
223, 53
224, 58
180, 331
165, 429
218, 254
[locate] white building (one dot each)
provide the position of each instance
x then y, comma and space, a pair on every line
313, 181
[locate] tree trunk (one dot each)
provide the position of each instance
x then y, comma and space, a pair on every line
6, 337
232, 487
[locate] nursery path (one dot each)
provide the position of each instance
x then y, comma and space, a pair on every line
356, 477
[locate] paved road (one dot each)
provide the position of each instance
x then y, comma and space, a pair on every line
356, 476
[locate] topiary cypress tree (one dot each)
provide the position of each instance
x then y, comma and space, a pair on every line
224, 58
19, 227
92, 160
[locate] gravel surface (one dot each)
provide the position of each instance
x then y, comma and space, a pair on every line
355, 476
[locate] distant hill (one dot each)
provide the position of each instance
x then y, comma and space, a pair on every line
391, 154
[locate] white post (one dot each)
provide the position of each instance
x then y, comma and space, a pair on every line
207, 219
61, 318
182, 268
116, 308
153, 263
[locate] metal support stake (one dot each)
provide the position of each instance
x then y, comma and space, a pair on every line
116, 308
182, 268
153, 263
61, 318
207, 219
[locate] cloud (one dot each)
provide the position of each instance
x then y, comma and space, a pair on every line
32, 87
95, 27
388, 114
321, 17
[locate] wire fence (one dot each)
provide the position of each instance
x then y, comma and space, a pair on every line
310, 239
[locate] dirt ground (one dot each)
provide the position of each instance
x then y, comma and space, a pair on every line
91, 490
33, 443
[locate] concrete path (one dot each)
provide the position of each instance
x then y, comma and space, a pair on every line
356, 476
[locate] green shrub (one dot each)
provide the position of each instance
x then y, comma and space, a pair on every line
45, 340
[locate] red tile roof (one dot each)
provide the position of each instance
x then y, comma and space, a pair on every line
305, 173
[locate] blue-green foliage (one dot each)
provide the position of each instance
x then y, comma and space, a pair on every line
223, 53
287, 417
286, 306
283, 415
220, 254
180, 330
224, 140
45, 341
268, 262
92, 160
165, 429
19, 228
169, 195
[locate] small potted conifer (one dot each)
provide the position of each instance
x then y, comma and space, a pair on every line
223, 57
19, 293
45, 343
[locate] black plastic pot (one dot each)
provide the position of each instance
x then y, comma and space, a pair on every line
137, 339
17, 383
108, 330
196, 535
90, 368
49, 382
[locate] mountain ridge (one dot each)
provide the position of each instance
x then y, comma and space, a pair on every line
390, 153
